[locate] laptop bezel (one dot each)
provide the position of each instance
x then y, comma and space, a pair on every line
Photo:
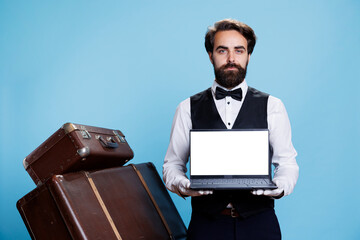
269, 175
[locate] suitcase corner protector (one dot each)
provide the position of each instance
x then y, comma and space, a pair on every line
84, 152
25, 164
69, 127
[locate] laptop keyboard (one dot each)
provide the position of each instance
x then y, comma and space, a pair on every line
246, 181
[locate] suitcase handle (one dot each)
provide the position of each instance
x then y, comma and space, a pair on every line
108, 144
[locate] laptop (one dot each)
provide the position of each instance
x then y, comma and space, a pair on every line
230, 160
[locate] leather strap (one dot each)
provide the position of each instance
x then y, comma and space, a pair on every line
153, 200
101, 202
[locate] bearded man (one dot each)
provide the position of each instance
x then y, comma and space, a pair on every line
231, 104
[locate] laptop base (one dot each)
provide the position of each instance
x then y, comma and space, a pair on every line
229, 187
232, 184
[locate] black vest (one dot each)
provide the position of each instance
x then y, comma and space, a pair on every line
253, 114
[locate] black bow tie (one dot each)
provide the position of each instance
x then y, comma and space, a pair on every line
221, 93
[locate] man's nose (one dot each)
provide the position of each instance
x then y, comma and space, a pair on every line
231, 57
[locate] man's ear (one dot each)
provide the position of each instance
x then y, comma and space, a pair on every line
249, 58
210, 57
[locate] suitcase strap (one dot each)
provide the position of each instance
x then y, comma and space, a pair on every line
153, 200
101, 202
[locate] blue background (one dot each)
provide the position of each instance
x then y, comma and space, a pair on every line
126, 66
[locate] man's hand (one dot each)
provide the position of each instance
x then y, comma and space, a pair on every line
276, 193
184, 190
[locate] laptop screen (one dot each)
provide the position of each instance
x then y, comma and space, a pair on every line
229, 152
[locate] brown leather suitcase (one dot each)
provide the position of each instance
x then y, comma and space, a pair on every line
77, 147
163, 199
115, 203
41, 215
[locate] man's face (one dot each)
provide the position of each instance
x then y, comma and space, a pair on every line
230, 58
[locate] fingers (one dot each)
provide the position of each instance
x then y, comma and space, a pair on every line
258, 192
194, 193
273, 193
205, 192
184, 189
276, 193
270, 193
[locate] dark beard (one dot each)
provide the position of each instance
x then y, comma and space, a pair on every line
230, 78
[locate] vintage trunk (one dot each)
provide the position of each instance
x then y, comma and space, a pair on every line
118, 203
77, 147
41, 215
163, 199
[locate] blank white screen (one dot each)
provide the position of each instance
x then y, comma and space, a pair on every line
229, 153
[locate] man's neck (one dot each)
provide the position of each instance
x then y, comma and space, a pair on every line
229, 88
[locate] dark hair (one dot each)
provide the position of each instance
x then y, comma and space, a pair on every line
226, 25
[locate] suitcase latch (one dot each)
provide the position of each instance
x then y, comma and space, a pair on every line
120, 138
85, 134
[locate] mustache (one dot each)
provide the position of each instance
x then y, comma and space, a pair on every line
228, 65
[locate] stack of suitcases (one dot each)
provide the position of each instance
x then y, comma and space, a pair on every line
84, 191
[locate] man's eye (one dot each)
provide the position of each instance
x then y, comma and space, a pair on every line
221, 51
239, 51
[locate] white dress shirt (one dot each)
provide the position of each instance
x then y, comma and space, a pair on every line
286, 169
